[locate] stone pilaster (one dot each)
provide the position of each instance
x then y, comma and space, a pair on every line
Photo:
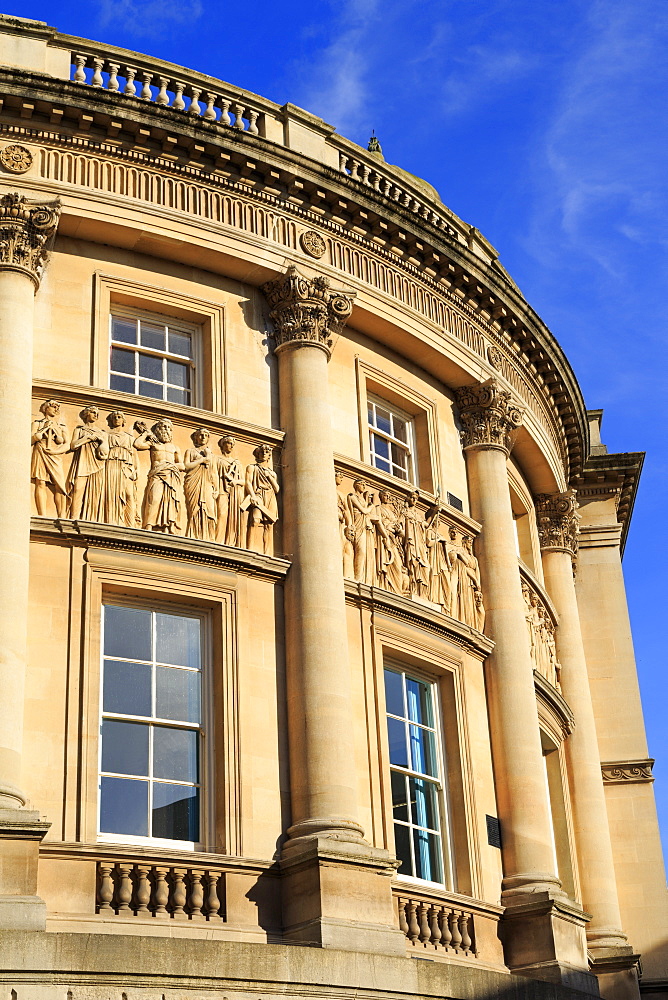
327, 863
26, 228
543, 930
558, 527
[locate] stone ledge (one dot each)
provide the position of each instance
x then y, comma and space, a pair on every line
627, 772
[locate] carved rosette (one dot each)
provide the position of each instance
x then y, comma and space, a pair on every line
489, 416
557, 518
26, 231
306, 310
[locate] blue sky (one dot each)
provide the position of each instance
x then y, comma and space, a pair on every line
541, 122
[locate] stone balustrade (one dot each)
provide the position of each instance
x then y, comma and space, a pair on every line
145, 83
127, 888
436, 925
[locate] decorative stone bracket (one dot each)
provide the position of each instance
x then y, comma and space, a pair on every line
27, 229
306, 310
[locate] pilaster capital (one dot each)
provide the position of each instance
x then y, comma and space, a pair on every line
558, 520
27, 229
489, 415
306, 310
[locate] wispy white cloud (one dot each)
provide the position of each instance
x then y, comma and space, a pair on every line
479, 72
150, 19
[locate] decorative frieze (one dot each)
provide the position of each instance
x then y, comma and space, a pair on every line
26, 231
542, 641
557, 519
625, 772
306, 310
489, 415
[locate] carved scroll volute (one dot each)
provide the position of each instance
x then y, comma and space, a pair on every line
306, 310
489, 416
558, 520
27, 229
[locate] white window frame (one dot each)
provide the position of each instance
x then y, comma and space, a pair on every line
179, 326
442, 796
205, 785
408, 446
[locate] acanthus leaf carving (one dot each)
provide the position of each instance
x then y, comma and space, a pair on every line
26, 231
558, 520
489, 415
306, 310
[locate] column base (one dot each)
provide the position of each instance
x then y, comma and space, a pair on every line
543, 937
21, 831
338, 894
616, 969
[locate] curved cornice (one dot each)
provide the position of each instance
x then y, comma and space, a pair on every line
401, 231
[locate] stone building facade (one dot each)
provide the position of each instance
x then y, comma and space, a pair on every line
316, 667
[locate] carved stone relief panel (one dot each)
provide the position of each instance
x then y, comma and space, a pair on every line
403, 546
542, 631
131, 470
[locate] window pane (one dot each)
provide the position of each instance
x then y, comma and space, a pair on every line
127, 633
427, 848
177, 640
383, 420
396, 732
153, 336
423, 756
120, 383
122, 361
175, 753
124, 807
124, 330
175, 812
178, 395
418, 700
394, 697
400, 431
380, 446
403, 849
151, 389
178, 374
179, 343
150, 367
424, 803
124, 747
381, 464
399, 797
127, 688
177, 694
400, 457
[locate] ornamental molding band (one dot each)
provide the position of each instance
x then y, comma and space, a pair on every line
625, 772
306, 310
489, 415
27, 229
558, 520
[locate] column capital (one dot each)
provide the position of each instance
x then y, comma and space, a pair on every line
558, 520
489, 415
26, 230
306, 310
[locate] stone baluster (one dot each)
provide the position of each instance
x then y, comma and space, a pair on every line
354, 169
146, 92
142, 890
343, 163
238, 111
444, 927
79, 69
160, 891
224, 115
27, 227
252, 122
455, 932
178, 897
178, 103
212, 906
464, 921
97, 80
195, 108
105, 889
112, 82
210, 112
123, 887
435, 930
557, 519
413, 924
162, 97
129, 89
365, 174
195, 895
423, 921
403, 923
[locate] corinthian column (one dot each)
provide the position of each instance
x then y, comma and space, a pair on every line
557, 519
531, 889
25, 230
325, 829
